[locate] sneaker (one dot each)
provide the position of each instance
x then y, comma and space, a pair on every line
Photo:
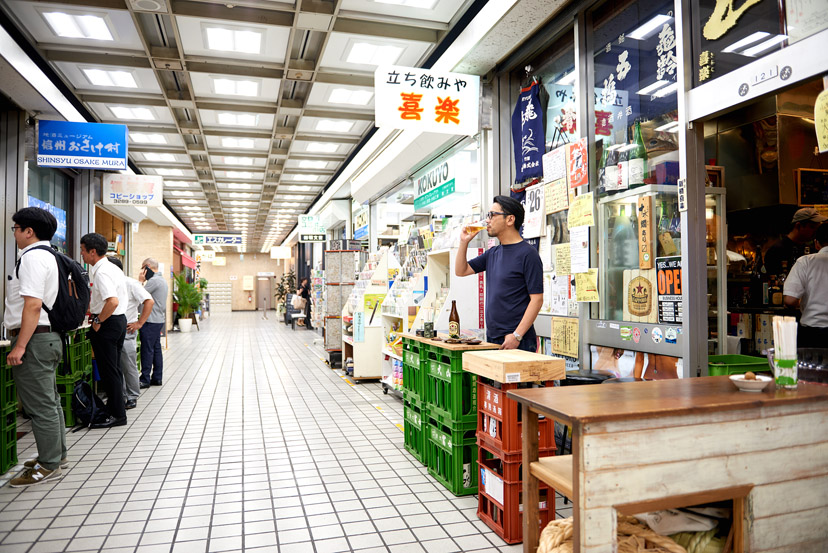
35, 475
30, 464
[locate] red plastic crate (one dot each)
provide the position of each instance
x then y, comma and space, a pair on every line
499, 420
506, 466
500, 506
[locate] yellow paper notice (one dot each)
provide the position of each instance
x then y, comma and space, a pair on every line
557, 197
565, 336
586, 286
821, 120
562, 262
581, 212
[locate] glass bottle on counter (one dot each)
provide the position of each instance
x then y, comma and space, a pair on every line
611, 170
454, 321
602, 169
775, 292
623, 169
638, 160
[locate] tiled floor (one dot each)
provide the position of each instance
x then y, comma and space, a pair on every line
252, 444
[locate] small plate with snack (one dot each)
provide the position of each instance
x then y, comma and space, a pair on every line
750, 382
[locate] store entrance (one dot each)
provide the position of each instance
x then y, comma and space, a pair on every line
762, 167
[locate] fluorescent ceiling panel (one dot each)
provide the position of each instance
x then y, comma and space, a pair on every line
116, 78
235, 87
237, 119
147, 138
242, 143
330, 125
373, 53
245, 41
68, 25
132, 113
322, 147
350, 96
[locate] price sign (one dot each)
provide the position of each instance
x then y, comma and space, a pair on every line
535, 207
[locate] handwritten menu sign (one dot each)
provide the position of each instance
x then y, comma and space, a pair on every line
557, 197
577, 166
586, 286
565, 336
579, 250
581, 212
562, 260
554, 164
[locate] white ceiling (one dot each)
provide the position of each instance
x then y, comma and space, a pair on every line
253, 112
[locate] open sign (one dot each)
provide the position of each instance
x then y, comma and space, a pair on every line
668, 277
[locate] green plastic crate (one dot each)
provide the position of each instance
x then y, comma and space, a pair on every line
451, 397
451, 360
8, 397
8, 447
451, 454
413, 377
415, 424
723, 365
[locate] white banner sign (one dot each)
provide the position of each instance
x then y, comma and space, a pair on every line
139, 190
427, 101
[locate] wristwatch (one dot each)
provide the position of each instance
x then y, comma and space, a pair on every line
517, 336
95, 320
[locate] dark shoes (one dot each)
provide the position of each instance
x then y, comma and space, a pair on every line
155, 383
130, 404
110, 422
143, 385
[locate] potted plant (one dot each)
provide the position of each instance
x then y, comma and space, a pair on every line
188, 297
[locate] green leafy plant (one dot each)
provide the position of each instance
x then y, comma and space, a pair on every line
187, 295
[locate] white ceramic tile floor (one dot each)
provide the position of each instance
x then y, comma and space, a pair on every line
252, 444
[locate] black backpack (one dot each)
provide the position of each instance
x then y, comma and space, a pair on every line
87, 407
72, 299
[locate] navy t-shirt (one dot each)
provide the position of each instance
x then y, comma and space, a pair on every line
513, 272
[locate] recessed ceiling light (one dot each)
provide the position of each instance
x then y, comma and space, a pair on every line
170, 172
303, 176
100, 77
241, 195
239, 175
181, 192
299, 188
187, 201
292, 204
234, 40
144, 138
242, 202
293, 197
421, 4
123, 112
230, 142
238, 185
178, 184
235, 87
155, 156
322, 147
78, 26
203, 227
234, 160
329, 125
310, 164
194, 208
239, 209
369, 53
238, 119
761, 47
350, 96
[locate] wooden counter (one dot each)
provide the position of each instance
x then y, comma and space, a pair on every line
643, 446
450, 347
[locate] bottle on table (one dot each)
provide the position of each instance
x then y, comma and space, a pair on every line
454, 321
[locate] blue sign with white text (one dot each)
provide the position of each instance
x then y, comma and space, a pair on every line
82, 145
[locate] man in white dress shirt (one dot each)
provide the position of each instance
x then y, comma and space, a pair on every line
129, 354
36, 350
108, 307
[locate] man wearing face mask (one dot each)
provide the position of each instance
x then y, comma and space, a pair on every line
152, 356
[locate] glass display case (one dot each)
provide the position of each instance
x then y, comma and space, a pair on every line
717, 259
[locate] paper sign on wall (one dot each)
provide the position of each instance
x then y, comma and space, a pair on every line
557, 196
586, 286
645, 232
577, 166
579, 250
359, 327
554, 164
821, 120
219, 261
560, 295
563, 264
581, 211
545, 252
248, 283
565, 336
535, 207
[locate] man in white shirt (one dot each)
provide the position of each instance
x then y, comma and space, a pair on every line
36, 350
129, 353
806, 288
108, 307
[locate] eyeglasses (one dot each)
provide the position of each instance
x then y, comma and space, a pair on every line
490, 215
15, 227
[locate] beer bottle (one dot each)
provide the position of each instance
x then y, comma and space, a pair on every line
454, 321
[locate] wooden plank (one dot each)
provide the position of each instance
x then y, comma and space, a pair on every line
685, 500
642, 400
739, 527
531, 495
598, 530
514, 365
790, 496
817, 546
450, 347
556, 471
789, 529
646, 482
609, 451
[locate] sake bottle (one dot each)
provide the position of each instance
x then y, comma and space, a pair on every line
602, 169
638, 172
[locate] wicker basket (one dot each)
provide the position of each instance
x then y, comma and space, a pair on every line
633, 537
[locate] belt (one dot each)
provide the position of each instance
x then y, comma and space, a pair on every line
41, 329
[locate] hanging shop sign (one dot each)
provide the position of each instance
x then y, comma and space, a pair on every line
217, 239
669, 289
311, 229
138, 190
82, 145
435, 183
205, 256
427, 101
361, 225
528, 132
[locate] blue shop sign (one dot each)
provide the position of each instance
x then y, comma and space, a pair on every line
82, 145
217, 239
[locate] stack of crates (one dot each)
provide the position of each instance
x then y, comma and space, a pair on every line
500, 459
450, 399
77, 366
8, 415
415, 419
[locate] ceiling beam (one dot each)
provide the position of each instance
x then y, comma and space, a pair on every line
95, 58
333, 139
345, 79
384, 30
116, 98
238, 134
237, 13
229, 105
225, 67
330, 114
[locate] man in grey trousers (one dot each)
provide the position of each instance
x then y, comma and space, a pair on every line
138, 296
152, 356
36, 350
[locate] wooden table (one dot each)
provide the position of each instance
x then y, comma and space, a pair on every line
645, 446
449, 347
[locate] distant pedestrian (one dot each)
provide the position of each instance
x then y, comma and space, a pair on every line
108, 307
304, 293
36, 351
152, 356
138, 296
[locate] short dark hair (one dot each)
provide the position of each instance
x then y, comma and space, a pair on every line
38, 219
821, 235
115, 261
511, 206
95, 242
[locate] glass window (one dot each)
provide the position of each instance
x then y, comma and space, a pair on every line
636, 133
49, 189
557, 74
727, 36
